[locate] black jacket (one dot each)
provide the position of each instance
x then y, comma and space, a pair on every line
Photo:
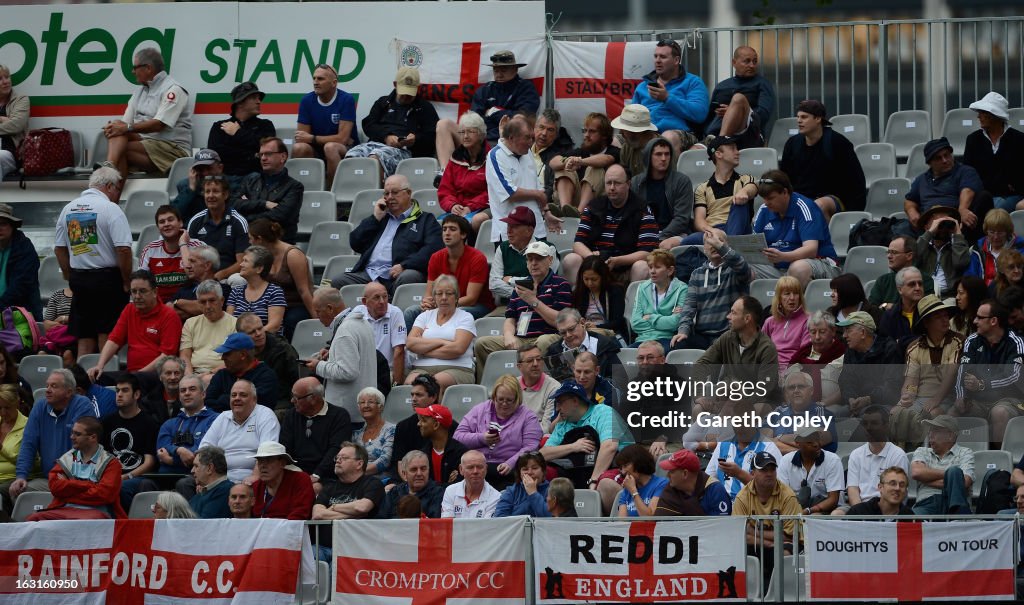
238, 151
512, 96
388, 116
607, 352
257, 189
22, 276
218, 394
417, 238
430, 500
830, 167
281, 357
876, 373
450, 459
408, 438
1000, 172
896, 327
315, 454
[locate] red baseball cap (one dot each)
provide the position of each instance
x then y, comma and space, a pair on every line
683, 459
521, 215
438, 412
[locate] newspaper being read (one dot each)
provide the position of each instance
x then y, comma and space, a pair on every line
750, 247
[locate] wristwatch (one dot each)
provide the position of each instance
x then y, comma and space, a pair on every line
535, 305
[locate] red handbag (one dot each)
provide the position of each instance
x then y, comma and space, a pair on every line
45, 151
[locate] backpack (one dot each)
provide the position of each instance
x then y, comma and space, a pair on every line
996, 492
879, 233
19, 332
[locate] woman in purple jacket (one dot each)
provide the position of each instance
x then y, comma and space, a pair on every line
502, 429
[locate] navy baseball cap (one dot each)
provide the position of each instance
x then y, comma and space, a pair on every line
571, 387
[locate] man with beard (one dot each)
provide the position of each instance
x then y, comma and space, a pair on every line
579, 173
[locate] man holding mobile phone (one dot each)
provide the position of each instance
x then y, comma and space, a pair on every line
533, 309
677, 100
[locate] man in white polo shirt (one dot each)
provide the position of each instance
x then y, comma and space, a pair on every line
240, 430
512, 181
473, 497
867, 462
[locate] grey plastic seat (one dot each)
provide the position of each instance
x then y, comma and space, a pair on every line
886, 196
179, 170
309, 337
956, 125
140, 208
329, 238
354, 175
818, 295
419, 171
317, 207
904, 129
854, 126
427, 199
839, 227
50, 277
308, 171
755, 161
877, 160
499, 363
781, 131
460, 398
362, 205
867, 262
695, 164
915, 165
763, 290
339, 265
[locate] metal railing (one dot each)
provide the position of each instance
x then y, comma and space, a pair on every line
868, 67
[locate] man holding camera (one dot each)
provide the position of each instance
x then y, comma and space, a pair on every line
947, 183
942, 252
179, 436
617, 226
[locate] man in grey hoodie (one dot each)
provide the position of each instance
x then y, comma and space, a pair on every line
668, 192
713, 288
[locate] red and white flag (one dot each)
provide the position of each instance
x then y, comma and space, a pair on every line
867, 560
597, 76
639, 561
430, 562
451, 72
135, 562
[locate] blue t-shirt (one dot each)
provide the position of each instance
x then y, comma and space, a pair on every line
651, 490
803, 221
323, 119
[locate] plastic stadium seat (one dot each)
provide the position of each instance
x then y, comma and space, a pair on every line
427, 199
398, 405
904, 129
320, 592
149, 233
988, 460
287, 135
1017, 216
763, 290
854, 126
684, 356
339, 265
755, 161
142, 505
957, 124
753, 578
309, 337
1013, 439
974, 433
878, 160
818, 295
630, 301
866, 262
140, 208
408, 294
781, 131
490, 326
317, 207
497, 364
28, 503
460, 398
352, 294
483, 241
566, 235
362, 205
588, 503
78, 146
329, 238
50, 277
354, 175
419, 171
695, 164
794, 582
179, 170
1017, 118
839, 227
886, 196
36, 368
627, 356
98, 151
680, 249
91, 359
869, 286
915, 165
308, 171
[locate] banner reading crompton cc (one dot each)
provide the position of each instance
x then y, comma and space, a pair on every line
76, 60
639, 561
430, 561
142, 561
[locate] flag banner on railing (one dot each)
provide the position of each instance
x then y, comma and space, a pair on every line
867, 560
639, 561
597, 76
430, 561
138, 561
451, 72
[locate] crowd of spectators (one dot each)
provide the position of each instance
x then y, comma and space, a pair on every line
217, 409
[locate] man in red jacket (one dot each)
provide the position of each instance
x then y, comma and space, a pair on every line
85, 481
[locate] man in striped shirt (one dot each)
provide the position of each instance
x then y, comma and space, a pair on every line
617, 226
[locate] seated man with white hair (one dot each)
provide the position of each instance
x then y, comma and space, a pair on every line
473, 497
202, 334
240, 430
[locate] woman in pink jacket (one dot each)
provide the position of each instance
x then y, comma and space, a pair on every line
787, 327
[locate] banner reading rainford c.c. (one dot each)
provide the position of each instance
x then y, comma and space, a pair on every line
639, 561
